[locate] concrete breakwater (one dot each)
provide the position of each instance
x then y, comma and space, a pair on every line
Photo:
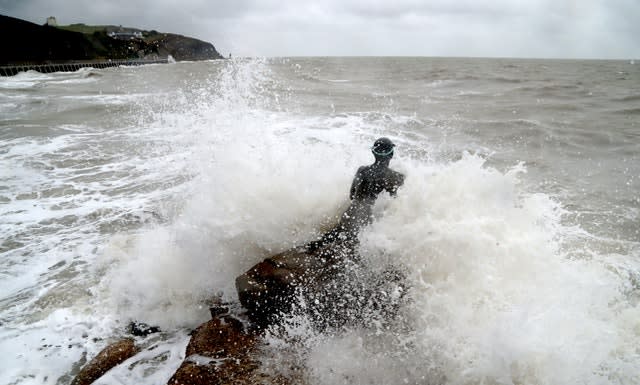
11, 70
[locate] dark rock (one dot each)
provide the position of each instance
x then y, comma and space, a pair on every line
185, 48
140, 329
225, 351
273, 286
109, 357
327, 282
218, 310
221, 337
218, 307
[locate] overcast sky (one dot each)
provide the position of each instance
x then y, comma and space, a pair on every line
494, 28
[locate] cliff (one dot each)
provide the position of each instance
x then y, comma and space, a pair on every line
26, 42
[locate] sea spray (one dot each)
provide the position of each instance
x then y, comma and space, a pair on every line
493, 299
258, 186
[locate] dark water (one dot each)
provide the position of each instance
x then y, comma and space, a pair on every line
141, 192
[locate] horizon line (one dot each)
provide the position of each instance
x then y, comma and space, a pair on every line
630, 59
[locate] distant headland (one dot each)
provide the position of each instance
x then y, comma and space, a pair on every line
26, 42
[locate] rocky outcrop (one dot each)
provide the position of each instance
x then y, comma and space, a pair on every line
327, 283
226, 349
185, 48
109, 357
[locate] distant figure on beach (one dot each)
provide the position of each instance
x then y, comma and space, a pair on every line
367, 184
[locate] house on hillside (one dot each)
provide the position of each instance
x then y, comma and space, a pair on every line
125, 35
51, 21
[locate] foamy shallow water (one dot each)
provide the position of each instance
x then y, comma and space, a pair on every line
139, 193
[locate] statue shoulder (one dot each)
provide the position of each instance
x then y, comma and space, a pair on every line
361, 171
397, 176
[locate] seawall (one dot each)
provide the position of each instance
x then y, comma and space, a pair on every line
11, 70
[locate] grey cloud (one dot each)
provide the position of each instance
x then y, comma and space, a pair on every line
386, 9
542, 28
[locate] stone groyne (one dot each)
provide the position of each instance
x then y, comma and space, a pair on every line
11, 70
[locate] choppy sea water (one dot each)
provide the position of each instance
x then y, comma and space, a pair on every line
140, 193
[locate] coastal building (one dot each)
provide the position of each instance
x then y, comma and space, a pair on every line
125, 35
51, 21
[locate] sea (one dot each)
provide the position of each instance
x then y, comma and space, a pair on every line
140, 193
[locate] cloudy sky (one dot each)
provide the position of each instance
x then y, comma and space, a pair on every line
493, 28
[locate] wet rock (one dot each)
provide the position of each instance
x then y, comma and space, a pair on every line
329, 284
270, 288
140, 329
221, 351
225, 350
217, 307
109, 357
218, 310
